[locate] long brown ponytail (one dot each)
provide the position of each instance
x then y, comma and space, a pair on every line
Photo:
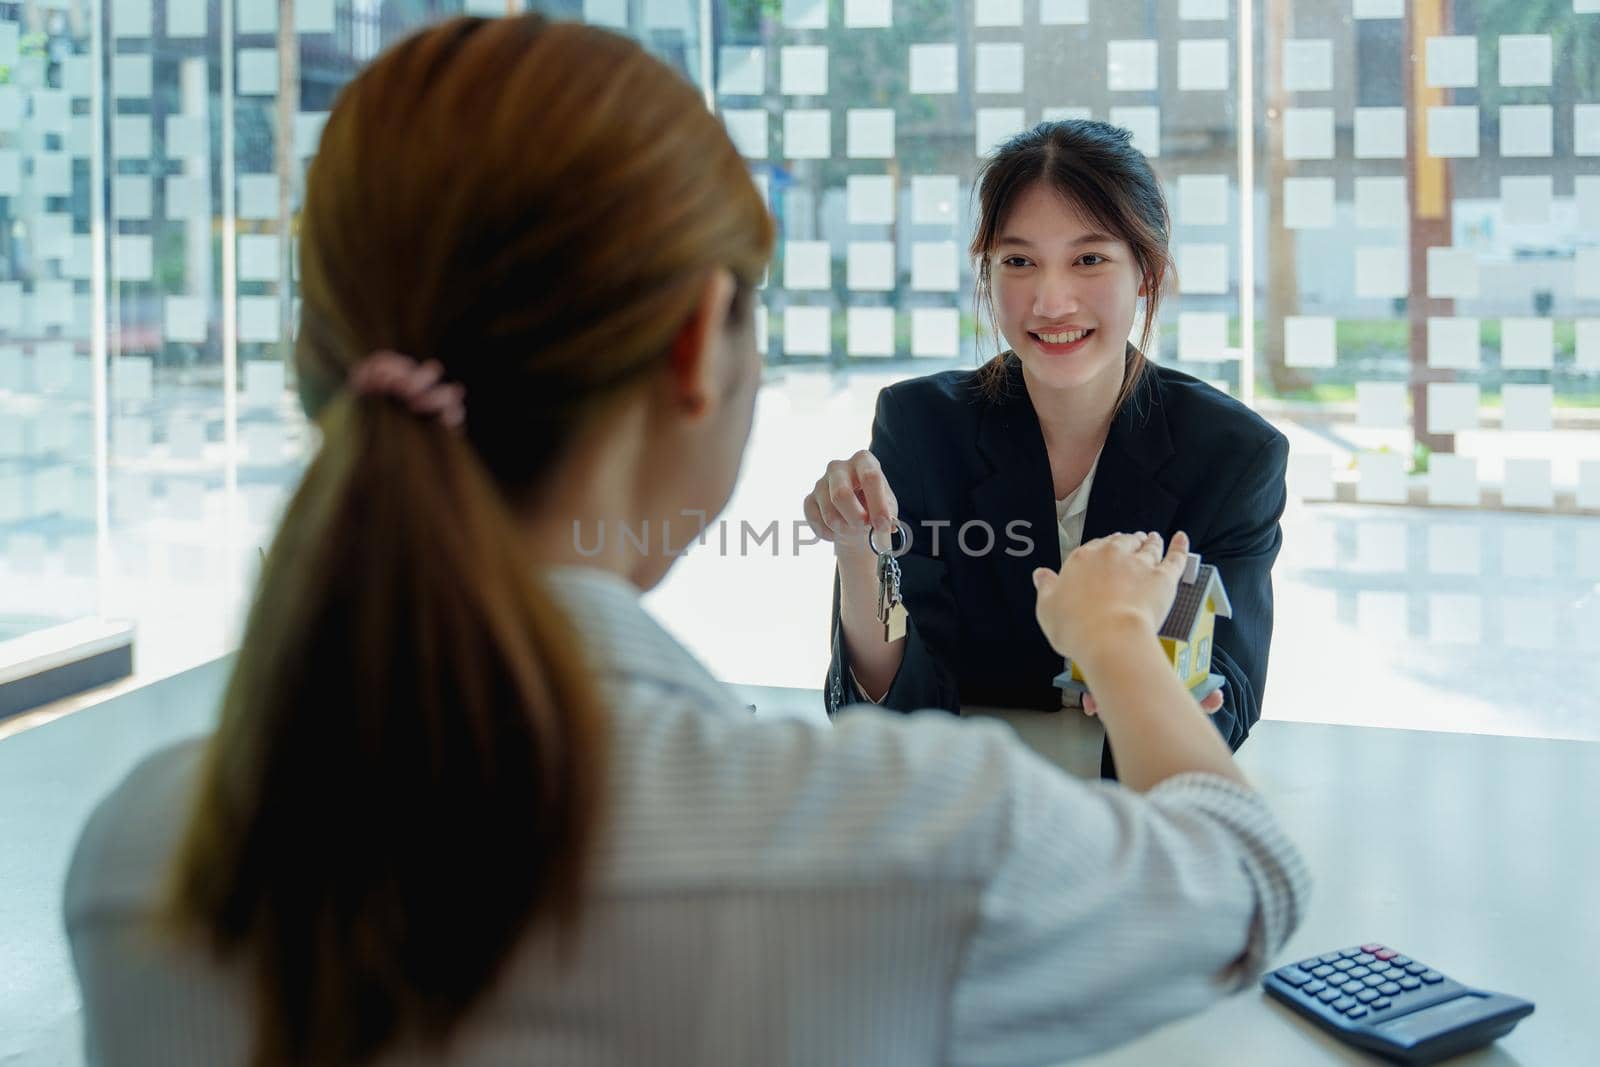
409, 774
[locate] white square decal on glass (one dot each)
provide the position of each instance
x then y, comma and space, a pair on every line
1380, 133
869, 199
1586, 129
1203, 65
1586, 191
1528, 622
997, 13
995, 125
132, 258
186, 136
258, 16
264, 383
1383, 619
1308, 203
1453, 480
313, 16
934, 267
1203, 268
1527, 344
612, 13
186, 437
131, 196
1454, 548
258, 71
1131, 66
1196, 10
744, 72
1589, 497
1586, 271
665, 15
1455, 619
131, 76
997, 68
805, 14
130, 139
1308, 341
1452, 62
1527, 131
1382, 272
1381, 478
747, 129
258, 257
1588, 344
869, 265
807, 331
258, 320
1381, 203
1452, 273
1310, 475
807, 134
807, 265
934, 198
1452, 407
1308, 133
1453, 132
935, 332
1145, 125
1527, 484
184, 319
131, 436
1453, 344
869, 331
1526, 201
258, 197
1064, 114
804, 70
1380, 546
1203, 199
1202, 335
131, 18
1063, 12
132, 379
1525, 59
1527, 408
1307, 66
869, 133
1382, 406
868, 14
933, 68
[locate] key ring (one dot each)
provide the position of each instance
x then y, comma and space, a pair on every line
899, 527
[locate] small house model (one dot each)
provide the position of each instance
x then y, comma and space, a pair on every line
1186, 635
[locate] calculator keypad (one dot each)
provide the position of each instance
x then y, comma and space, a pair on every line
1358, 981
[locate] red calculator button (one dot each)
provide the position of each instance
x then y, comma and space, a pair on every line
1385, 953
1374, 949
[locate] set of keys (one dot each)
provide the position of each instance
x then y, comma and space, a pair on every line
891, 611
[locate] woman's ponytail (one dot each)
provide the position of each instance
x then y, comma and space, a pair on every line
409, 767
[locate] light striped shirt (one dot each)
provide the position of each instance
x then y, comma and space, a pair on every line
880, 891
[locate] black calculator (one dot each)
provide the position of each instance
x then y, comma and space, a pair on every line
1375, 998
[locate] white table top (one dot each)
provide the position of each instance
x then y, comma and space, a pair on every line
1479, 855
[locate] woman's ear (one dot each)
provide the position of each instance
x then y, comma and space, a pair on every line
695, 367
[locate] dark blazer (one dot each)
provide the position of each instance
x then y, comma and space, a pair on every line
1179, 456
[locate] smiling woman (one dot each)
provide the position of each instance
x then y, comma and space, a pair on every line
1067, 435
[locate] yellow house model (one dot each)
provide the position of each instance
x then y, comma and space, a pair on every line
1186, 635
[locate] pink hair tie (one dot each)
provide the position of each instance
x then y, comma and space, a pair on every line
420, 386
